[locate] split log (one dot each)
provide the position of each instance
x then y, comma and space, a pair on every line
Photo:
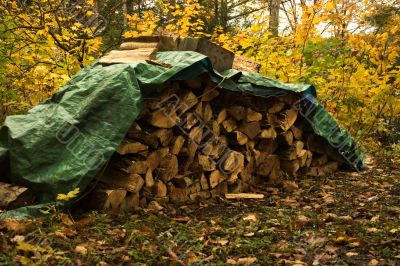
303, 156
187, 101
233, 162
297, 132
210, 92
130, 182
285, 138
177, 145
287, 119
166, 118
129, 165
149, 179
207, 112
12, 196
164, 136
290, 167
229, 125
252, 116
220, 189
243, 196
203, 182
276, 172
267, 145
215, 178
153, 160
247, 173
168, 167
191, 119
237, 138
206, 162
143, 137
316, 144
200, 196
106, 199
131, 147
275, 106
181, 181
222, 116
160, 189
319, 160
196, 134
269, 133
131, 202
215, 128
323, 170
250, 129
273, 120
237, 112
289, 98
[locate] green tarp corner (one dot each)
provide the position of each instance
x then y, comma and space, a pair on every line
65, 142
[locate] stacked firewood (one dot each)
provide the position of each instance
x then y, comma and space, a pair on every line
194, 141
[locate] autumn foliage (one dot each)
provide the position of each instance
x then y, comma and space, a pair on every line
348, 49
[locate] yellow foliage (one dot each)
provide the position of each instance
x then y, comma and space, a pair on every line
70, 195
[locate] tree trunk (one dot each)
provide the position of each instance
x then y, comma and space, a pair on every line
274, 17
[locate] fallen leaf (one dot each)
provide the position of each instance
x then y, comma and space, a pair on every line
290, 186
316, 241
331, 249
302, 220
182, 219
328, 187
172, 254
84, 222
117, 234
221, 242
81, 249
154, 206
65, 219
251, 217
191, 259
373, 262
345, 219
125, 258
341, 240
60, 235
372, 230
16, 226
276, 255
249, 234
351, 254
231, 261
246, 261
17, 239
375, 219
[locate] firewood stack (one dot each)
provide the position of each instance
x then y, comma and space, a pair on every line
194, 141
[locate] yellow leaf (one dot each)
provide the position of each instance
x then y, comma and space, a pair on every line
70, 195
330, 6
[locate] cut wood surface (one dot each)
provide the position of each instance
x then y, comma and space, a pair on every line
244, 196
12, 196
194, 141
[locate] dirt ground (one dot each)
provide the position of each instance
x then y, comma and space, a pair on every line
344, 219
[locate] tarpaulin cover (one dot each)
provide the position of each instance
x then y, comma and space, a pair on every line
63, 143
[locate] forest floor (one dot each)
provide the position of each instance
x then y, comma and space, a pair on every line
344, 219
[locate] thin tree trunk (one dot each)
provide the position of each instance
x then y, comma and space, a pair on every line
274, 17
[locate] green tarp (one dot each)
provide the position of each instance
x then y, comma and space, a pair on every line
65, 142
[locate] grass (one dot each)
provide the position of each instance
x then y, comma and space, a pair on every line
350, 219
